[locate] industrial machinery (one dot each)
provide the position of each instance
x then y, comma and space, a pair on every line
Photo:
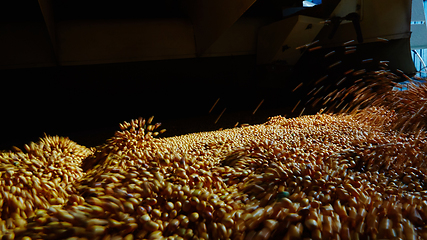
80, 32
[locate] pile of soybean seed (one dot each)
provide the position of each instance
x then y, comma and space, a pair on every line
321, 176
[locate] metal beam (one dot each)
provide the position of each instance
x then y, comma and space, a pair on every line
212, 18
280, 41
46, 8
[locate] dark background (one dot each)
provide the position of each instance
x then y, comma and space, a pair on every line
87, 103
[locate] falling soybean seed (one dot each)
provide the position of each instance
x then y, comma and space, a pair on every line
359, 72
334, 64
367, 60
302, 111
348, 42
400, 71
318, 90
349, 71
220, 115
312, 90
312, 43
300, 47
315, 102
329, 54
314, 48
213, 105
350, 47
321, 79
307, 45
350, 51
340, 81
299, 85
296, 106
257, 107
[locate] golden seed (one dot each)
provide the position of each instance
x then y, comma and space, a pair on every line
64, 215
156, 213
173, 224
97, 222
227, 184
128, 237
169, 206
194, 217
271, 224
151, 201
114, 223
151, 226
293, 217
145, 218
184, 222
173, 213
155, 235
128, 207
96, 230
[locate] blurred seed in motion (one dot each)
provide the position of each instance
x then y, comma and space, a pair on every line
314, 48
302, 111
348, 71
359, 72
296, 105
348, 42
150, 120
220, 116
299, 85
334, 64
350, 51
257, 107
321, 79
329, 54
368, 60
214, 105
340, 81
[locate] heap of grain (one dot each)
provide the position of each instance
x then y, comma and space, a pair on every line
38, 178
319, 177
325, 176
